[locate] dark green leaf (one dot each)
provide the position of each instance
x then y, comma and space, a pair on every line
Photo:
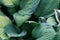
12, 31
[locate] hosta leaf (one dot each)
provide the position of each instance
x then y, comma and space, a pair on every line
52, 21
49, 36
3, 36
7, 3
26, 11
4, 20
46, 8
11, 31
10, 3
20, 19
43, 30
29, 6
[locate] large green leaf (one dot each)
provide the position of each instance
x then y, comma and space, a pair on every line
12, 31
46, 7
29, 5
44, 31
19, 19
4, 21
